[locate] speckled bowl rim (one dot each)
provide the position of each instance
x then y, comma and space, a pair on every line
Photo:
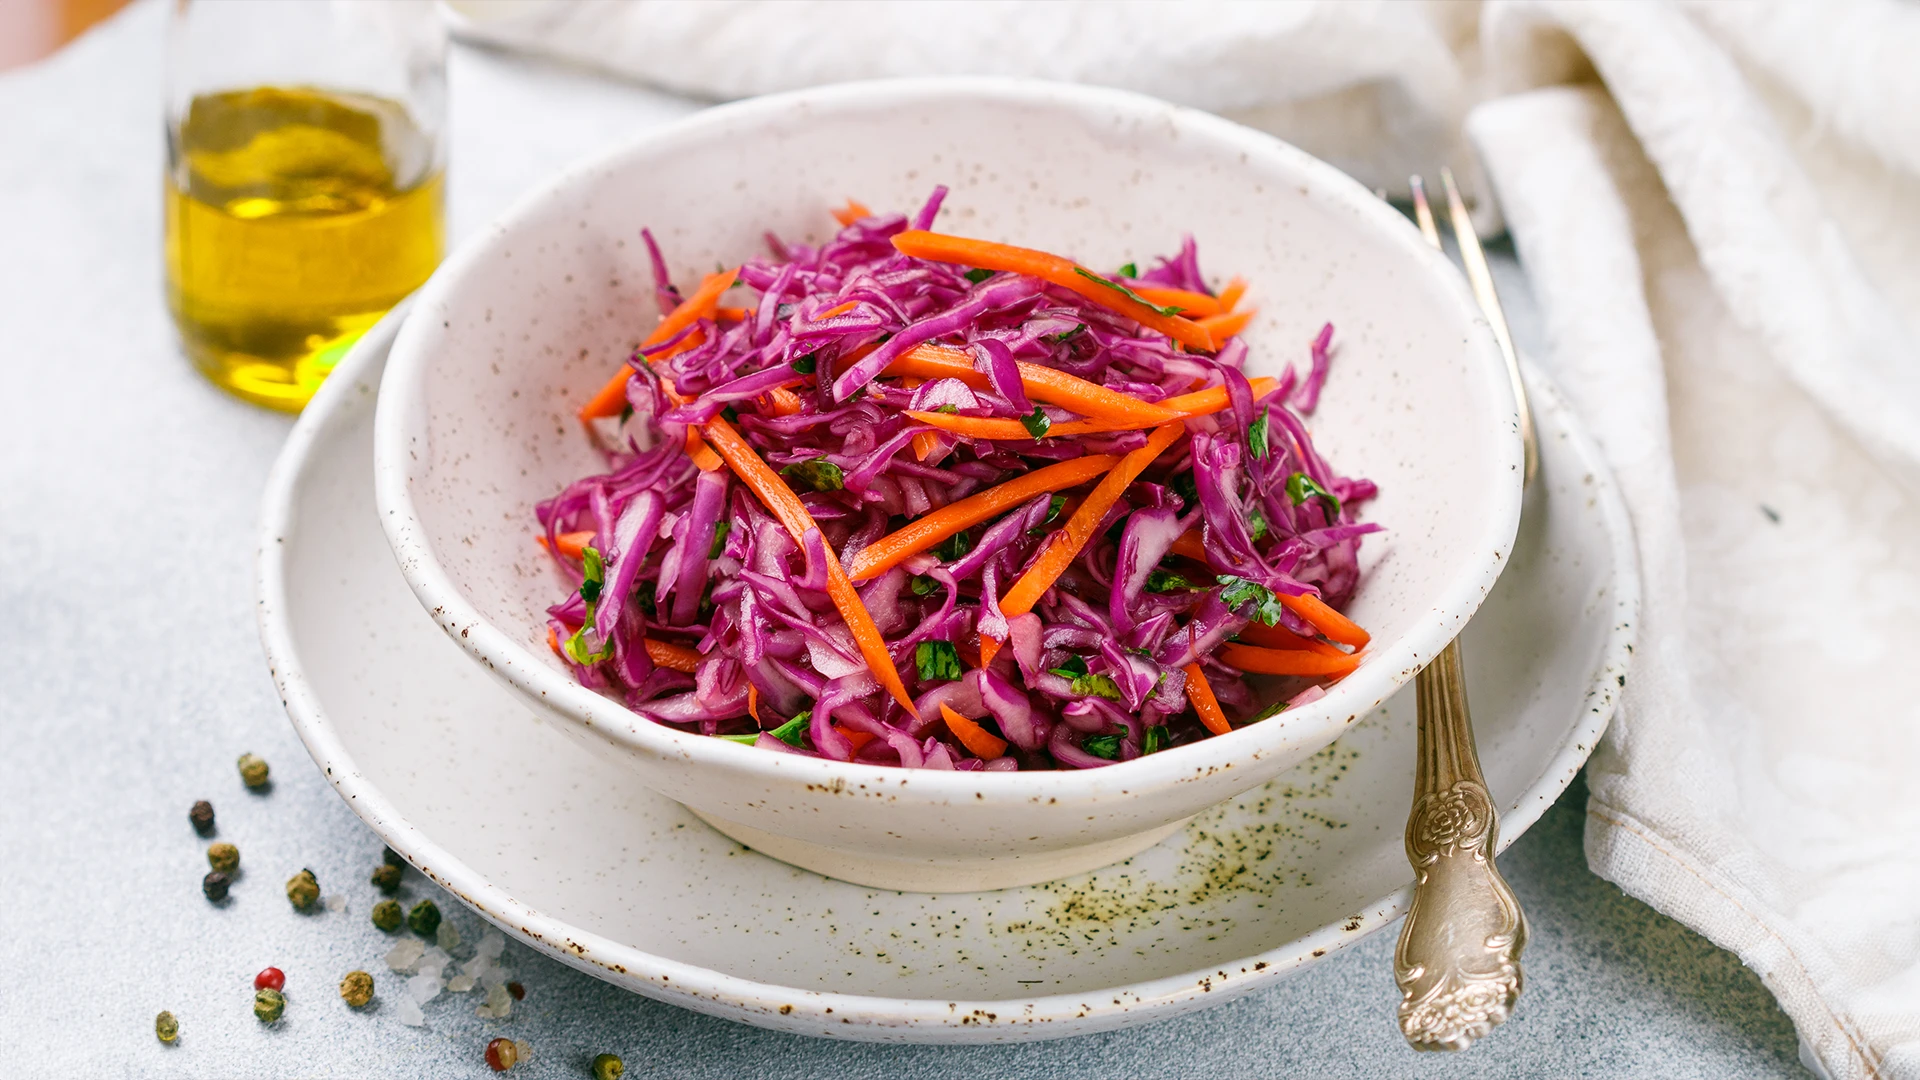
1312, 726
864, 1017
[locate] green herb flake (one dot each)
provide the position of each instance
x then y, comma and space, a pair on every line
1237, 592
720, 531
1071, 668
1102, 746
922, 585
744, 740
1126, 292
626, 412
1155, 740
576, 646
1065, 336
1165, 581
595, 570
1301, 487
1038, 424
948, 409
1128, 271
1257, 438
1184, 487
794, 731
954, 547
938, 661
1096, 686
977, 276
732, 414
1257, 527
805, 365
1054, 506
816, 473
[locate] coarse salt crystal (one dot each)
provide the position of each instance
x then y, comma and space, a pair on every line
405, 954
460, 984
337, 902
434, 961
410, 1013
526, 1051
492, 944
447, 937
423, 988
499, 1003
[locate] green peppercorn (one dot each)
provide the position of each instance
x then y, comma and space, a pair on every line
166, 1027
224, 858
202, 817
357, 988
268, 1005
253, 771
386, 877
215, 885
303, 889
424, 918
388, 916
392, 858
608, 1067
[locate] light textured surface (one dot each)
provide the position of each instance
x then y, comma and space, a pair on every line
130, 678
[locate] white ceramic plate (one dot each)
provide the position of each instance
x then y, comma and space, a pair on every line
565, 850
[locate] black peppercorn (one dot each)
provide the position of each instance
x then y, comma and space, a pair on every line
386, 877
215, 885
392, 858
202, 817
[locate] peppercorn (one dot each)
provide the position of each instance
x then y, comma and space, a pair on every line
502, 1055
224, 858
424, 918
357, 988
388, 916
215, 885
166, 1027
392, 858
608, 1067
270, 979
519, 992
268, 1005
253, 771
303, 889
386, 877
202, 817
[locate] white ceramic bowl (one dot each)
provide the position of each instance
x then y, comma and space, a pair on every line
475, 424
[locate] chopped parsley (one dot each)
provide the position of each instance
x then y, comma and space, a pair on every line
732, 414
1165, 581
720, 531
794, 731
922, 585
626, 412
1096, 686
1071, 668
817, 473
1184, 487
805, 365
1054, 506
1065, 336
1237, 592
1301, 487
977, 276
595, 570
1155, 740
1129, 271
1256, 523
955, 546
1102, 746
948, 409
745, 740
1126, 292
938, 661
1257, 437
594, 580
1038, 424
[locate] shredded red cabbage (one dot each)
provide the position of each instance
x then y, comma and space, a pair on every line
1093, 674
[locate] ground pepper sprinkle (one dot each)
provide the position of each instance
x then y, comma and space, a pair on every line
165, 1027
424, 918
268, 1005
386, 878
253, 771
215, 885
303, 889
202, 817
608, 1067
357, 988
388, 916
224, 858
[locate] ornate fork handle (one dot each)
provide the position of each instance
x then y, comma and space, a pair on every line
1458, 960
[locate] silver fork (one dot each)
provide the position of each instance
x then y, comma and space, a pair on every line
1458, 959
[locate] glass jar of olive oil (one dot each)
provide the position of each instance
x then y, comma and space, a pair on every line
304, 183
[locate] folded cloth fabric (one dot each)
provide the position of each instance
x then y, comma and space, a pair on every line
1718, 205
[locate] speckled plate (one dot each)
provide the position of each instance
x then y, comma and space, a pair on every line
568, 852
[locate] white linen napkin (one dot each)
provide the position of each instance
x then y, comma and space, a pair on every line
1718, 205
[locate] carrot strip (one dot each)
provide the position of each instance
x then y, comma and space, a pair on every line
1190, 545
925, 445
1231, 295
613, 396
672, 657
753, 702
1067, 541
553, 642
782, 401
883, 554
987, 255
1041, 383
837, 309
1275, 637
1285, 661
569, 543
1323, 618
1190, 303
732, 314
701, 453
1199, 403
1225, 326
783, 504
1200, 692
855, 736
979, 742
852, 212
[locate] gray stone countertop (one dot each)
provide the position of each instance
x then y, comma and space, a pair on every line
131, 677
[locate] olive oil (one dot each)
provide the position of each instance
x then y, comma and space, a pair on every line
295, 218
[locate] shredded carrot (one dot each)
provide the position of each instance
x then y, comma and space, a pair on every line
987, 255
1189, 303
701, 453
1275, 637
1041, 383
925, 445
1200, 692
570, 544
837, 309
1285, 661
612, 397
1223, 327
1190, 545
782, 401
1067, 541
933, 528
853, 212
1231, 295
980, 742
1323, 618
1200, 403
783, 504
672, 657
553, 642
753, 702
856, 737
732, 314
